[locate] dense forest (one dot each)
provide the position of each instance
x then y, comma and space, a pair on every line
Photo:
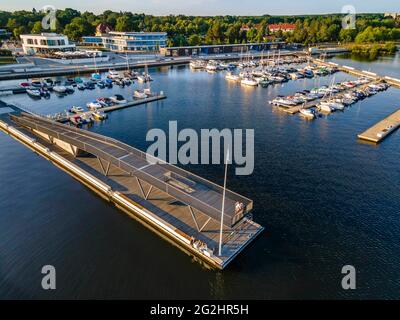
195, 30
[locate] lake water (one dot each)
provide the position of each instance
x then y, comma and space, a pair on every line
326, 200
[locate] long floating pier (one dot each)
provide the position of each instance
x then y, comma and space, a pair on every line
313, 104
79, 69
360, 73
382, 129
174, 202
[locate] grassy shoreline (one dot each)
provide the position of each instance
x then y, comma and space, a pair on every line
373, 50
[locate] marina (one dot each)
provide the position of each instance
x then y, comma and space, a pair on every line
307, 194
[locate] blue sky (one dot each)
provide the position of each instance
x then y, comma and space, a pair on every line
210, 7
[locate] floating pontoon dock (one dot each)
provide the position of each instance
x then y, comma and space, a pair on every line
359, 73
184, 207
382, 129
313, 104
155, 97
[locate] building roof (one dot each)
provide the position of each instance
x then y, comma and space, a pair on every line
103, 28
225, 45
282, 26
123, 33
48, 35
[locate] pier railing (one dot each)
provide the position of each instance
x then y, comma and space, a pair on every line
60, 132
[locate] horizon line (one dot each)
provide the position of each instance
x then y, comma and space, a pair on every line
206, 15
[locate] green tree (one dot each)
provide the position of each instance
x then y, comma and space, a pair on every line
37, 27
123, 23
77, 28
251, 35
66, 16
18, 31
12, 24
232, 34
194, 40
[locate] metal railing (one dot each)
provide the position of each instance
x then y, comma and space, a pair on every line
53, 129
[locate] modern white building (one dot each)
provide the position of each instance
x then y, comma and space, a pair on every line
128, 41
45, 43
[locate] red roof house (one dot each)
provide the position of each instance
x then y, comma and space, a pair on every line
284, 27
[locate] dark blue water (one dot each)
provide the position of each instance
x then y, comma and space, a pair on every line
325, 199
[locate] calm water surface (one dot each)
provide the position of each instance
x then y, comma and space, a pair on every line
325, 199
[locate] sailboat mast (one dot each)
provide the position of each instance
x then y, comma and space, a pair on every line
127, 61
223, 205
94, 60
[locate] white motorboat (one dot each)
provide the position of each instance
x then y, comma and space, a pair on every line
119, 99
139, 94
296, 75
145, 77
37, 83
94, 105
212, 66
281, 101
197, 64
344, 101
313, 96
249, 82
326, 107
232, 77
277, 79
335, 105
296, 99
260, 79
60, 89
307, 113
76, 109
33, 93
113, 74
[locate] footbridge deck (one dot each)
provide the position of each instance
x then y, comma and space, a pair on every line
184, 186
183, 206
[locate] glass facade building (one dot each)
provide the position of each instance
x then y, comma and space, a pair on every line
45, 43
129, 41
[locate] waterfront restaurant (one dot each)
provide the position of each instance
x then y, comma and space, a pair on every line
45, 43
128, 41
221, 49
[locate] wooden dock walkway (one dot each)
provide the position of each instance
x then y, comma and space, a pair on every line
136, 102
182, 206
313, 104
382, 129
395, 82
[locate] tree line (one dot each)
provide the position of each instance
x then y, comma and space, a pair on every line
195, 30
